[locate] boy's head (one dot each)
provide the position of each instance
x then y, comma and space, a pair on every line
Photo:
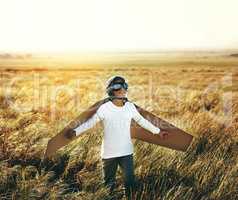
117, 86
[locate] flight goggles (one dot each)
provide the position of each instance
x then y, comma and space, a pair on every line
118, 86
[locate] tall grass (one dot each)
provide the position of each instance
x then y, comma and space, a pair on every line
208, 170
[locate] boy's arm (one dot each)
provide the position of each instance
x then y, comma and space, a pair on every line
87, 125
144, 122
98, 116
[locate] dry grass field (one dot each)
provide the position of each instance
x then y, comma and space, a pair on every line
196, 92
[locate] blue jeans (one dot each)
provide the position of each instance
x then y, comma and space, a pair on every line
110, 168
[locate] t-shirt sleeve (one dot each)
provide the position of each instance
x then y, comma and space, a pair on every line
98, 116
143, 122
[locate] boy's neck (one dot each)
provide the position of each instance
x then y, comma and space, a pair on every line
118, 102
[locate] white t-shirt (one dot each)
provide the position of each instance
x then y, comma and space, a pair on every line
116, 121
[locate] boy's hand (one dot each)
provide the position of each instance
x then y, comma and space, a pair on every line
70, 133
163, 134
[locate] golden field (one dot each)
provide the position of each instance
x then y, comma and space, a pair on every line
197, 92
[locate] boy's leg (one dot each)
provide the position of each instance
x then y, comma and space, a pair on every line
127, 166
109, 172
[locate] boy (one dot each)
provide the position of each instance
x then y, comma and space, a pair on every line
117, 147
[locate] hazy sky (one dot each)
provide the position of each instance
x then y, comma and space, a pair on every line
75, 25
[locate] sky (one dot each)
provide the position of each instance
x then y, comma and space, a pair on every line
111, 25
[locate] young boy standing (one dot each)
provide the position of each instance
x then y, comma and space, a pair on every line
117, 147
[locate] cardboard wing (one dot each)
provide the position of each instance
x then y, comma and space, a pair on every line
177, 139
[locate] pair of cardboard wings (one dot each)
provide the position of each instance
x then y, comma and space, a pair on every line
177, 139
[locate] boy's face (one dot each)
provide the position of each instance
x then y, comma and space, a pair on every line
120, 93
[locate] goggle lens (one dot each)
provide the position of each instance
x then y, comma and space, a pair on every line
118, 86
